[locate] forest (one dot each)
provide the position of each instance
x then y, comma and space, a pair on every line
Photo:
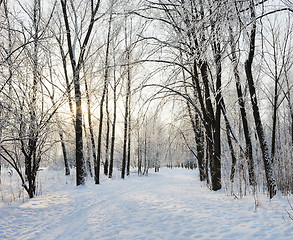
94, 87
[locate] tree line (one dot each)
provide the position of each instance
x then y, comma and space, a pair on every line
105, 69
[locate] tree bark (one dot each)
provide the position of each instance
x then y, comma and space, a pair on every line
247, 135
271, 182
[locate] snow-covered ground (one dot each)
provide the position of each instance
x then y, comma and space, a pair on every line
170, 204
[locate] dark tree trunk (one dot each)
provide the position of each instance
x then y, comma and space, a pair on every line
129, 140
65, 157
106, 76
98, 161
113, 127
106, 165
146, 165
80, 171
200, 148
139, 160
271, 182
129, 122
233, 156
76, 66
275, 108
248, 150
207, 158
127, 109
216, 164
212, 127
197, 129
124, 156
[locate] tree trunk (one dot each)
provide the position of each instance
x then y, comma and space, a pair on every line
65, 157
248, 149
197, 129
216, 163
139, 160
129, 122
80, 171
113, 125
200, 148
88, 165
146, 166
106, 165
92, 137
275, 108
76, 66
129, 140
271, 182
125, 137
106, 76
127, 105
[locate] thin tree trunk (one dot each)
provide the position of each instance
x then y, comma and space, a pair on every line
247, 135
126, 127
92, 137
139, 161
129, 120
113, 125
231, 148
145, 171
207, 158
65, 157
106, 76
217, 128
129, 139
106, 165
290, 105
275, 108
125, 137
88, 156
271, 182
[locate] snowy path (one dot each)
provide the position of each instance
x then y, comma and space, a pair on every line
167, 205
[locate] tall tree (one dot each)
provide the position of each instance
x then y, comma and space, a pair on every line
241, 102
105, 87
271, 182
76, 65
111, 164
126, 152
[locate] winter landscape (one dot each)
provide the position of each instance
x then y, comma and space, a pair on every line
170, 204
146, 119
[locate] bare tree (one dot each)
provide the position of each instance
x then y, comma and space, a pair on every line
271, 182
76, 65
105, 87
125, 157
26, 101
